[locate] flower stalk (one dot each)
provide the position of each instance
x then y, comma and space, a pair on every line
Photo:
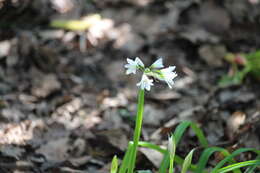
155, 71
138, 128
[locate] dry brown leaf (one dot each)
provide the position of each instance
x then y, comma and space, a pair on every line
56, 150
236, 120
154, 156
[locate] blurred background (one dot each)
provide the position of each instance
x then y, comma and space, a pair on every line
66, 104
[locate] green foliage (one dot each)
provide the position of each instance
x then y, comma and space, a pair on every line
242, 65
137, 131
187, 162
171, 150
76, 25
226, 165
114, 165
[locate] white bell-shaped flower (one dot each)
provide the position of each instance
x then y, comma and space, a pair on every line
157, 64
145, 83
132, 66
155, 70
168, 75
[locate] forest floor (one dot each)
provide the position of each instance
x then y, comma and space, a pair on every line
66, 104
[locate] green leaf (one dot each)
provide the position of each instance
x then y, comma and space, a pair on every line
227, 80
254, 63
171, 146
178, 133
187, 162
76, 25
231, 156
206, 155
239, 165
171, 150
236, 79
252, 168
126, 160
114, 165
152, 146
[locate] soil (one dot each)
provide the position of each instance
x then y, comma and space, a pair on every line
66, 104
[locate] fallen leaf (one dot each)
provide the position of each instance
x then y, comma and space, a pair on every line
12, 151
154, 156
45, 86
236, 120
56, 150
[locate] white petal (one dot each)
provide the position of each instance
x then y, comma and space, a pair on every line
130, 70
131, 66
157, 64
145, 83
127, 65
171, 68
169, 75
130, 61
169, 84
139, 62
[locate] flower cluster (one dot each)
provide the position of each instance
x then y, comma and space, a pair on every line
156, 70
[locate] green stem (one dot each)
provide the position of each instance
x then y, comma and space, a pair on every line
171, 165
138, 128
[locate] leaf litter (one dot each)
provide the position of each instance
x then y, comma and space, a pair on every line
68, 110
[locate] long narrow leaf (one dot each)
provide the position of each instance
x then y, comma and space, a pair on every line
152, 146
252, 168
178, 133
206, 155
114, 165
187, 161
235, 153
239, 165
178, 159
126, 160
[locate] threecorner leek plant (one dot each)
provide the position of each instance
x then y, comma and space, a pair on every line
156, 71
228, 164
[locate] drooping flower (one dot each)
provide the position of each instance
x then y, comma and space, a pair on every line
145, 83
168, 75
157, 64
139, 62
132, 66
171, 145
155, 70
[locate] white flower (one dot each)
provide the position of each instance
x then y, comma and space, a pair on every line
133, 65
157, 64
139, 62
168, 75
171, 146
155, 70
145, 83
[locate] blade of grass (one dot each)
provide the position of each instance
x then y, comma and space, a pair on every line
178, 133
187, 161
239, 165
114, 165
206, 155
200, 135
126, 160
178, 159
231, 156
251, 169
164, 163
152, 146
171, 151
